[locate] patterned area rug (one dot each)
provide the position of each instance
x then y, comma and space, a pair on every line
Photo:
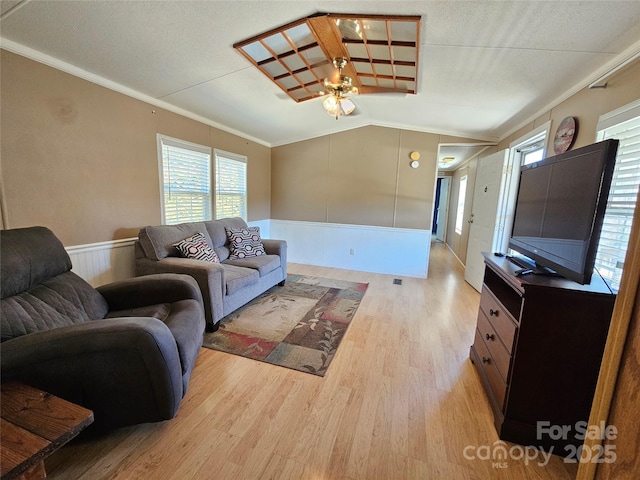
298, 326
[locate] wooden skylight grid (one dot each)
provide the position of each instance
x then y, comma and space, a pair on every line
382, 52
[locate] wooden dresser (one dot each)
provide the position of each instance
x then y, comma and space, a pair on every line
538, 346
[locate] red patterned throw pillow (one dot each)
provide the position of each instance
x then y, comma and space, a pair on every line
196, 247
245, 242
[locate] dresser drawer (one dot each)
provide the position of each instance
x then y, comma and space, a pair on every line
492, 341
487, 365
499, 317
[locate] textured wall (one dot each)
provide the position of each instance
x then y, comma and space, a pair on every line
358, 177
82, 159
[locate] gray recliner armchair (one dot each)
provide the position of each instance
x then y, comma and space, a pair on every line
124, 350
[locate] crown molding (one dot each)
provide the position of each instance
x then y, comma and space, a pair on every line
624, 59
53, 62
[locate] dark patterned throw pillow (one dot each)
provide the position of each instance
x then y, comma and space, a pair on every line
196, 247
245, 242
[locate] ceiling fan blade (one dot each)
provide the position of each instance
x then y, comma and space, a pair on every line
366, 90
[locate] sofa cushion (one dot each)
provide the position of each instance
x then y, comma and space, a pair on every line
236, 278
196, 247
158, 241
218, 234
58, 302
263, 263
245, 242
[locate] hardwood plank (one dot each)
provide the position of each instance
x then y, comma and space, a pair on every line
400, 400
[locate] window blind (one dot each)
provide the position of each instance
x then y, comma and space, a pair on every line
186, 182
231, 185
623, 194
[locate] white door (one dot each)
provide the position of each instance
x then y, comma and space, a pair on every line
485, 225
443, 209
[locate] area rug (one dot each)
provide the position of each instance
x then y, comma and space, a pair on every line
298, 326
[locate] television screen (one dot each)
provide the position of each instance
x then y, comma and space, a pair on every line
560, 207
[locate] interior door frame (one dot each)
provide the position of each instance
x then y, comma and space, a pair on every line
443, 203
460, 253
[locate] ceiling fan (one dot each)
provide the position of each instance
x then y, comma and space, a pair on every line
337, 87
337, 104
370, 54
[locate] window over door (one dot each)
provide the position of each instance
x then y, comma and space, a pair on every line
534, 153
185, 181
231, 185
623, 124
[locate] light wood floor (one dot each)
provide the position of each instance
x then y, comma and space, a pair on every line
400, 400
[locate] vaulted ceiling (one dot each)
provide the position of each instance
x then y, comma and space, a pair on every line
483, 69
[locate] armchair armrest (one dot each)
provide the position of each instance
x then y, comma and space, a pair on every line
208, 275
150, 290
121, 368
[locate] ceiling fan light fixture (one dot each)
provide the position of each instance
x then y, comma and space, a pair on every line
347, 106
337, 106
331, 104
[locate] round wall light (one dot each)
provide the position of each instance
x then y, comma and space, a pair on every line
414, 156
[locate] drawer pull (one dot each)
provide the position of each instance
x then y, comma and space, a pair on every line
490, 336
486, 360
493, 313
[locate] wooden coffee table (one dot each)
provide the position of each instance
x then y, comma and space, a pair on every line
34, 425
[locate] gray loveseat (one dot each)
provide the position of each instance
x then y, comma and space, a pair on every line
225, 286
125, 350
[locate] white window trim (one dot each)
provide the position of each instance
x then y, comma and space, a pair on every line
619, 115
233, 156
175, 142
607, 121
539, 132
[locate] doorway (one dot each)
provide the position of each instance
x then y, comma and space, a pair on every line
440, 210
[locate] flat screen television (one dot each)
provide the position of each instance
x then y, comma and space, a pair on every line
560, 208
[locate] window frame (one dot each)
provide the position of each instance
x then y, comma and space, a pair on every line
185, 145
217, 153
528, 142
611, 120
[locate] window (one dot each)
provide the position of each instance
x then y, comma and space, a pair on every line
530, 148
185, 181
231, 185
533, 150
524, 150
623, 124
462, 193
533, 156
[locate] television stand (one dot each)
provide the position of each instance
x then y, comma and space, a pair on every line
537, 349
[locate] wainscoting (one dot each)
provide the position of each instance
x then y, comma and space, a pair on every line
393, 251
104, 262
